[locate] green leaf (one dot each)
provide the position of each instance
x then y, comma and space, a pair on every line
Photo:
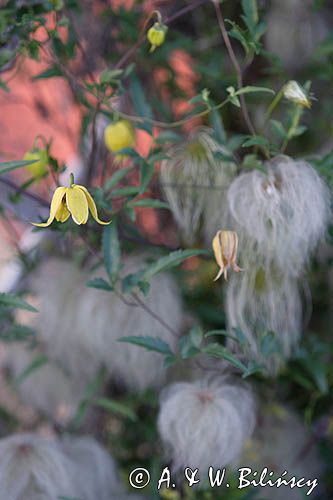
140, 104
168, 136
256, 140
189, 345
114, 407
115, 178
150, 343
149, 203
8, 166
48, 73
219, 351
169, 261
15, 302
249, 89
125, 191
217, 124
111, 250
250, 9
110, 75
146, 174
278, 129
4, 86
17, 333
99, 284
34, 365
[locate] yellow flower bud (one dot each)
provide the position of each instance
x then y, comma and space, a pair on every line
156, 35
225, 244
118, 136
39, 167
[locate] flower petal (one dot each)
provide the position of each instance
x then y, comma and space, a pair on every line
62, 213
92, 205
55, 204
77, 204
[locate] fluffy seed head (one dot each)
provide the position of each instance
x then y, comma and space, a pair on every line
189, 176
260, 302
33, 467
80, 326
206, 422
282, 442
280, 216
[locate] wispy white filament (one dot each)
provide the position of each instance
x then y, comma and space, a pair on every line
191, 174
206, 422
33, 467
261, 303
280, 216
282, 442
80, 326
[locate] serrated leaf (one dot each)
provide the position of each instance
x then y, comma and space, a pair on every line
150, 343
8, 300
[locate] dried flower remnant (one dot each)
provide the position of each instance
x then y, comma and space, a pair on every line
206, 423
225, 244
295, 93
75, 201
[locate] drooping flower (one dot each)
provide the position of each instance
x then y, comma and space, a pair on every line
119, 135
225, 244
205, 423
35, 468
280, 216
75, 201
156, 35
295, 93
193, 173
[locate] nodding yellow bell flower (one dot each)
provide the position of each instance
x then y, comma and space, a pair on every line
41, 160
75, 201
156, 35
295, 93
225, 244
119, 135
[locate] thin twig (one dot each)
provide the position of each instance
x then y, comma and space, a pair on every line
144, 306
235, 64
24, 192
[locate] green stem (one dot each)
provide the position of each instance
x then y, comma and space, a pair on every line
71, 179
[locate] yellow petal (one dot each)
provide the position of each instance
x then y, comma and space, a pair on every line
55, 204
62, 213
92, 205
77, 204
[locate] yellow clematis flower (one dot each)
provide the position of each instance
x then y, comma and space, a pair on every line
75, 201
225, 244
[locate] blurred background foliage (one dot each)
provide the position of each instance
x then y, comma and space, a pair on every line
99, 49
